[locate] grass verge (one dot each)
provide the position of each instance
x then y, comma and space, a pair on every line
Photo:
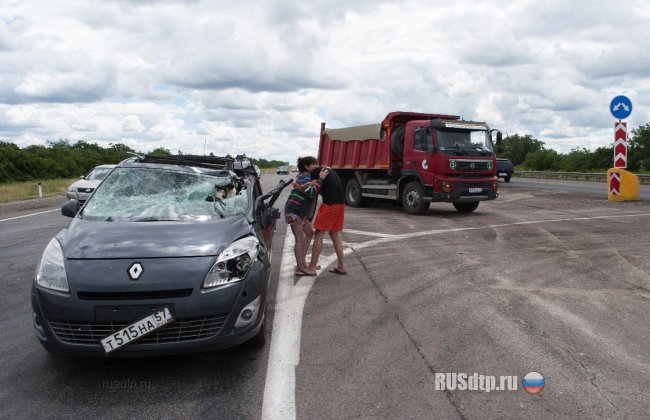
16, 191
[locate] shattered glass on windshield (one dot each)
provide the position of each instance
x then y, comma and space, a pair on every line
154, 194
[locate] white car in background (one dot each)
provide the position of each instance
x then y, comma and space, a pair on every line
82, 189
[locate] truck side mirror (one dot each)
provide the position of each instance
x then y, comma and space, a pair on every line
499, 138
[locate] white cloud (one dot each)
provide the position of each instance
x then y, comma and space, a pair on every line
258, 77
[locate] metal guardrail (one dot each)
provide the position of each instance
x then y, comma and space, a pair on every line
575, 176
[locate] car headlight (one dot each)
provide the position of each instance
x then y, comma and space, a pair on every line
50, 272
72, 189
233, 263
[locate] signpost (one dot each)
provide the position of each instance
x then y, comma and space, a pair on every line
620, 145
623, 185
621, 108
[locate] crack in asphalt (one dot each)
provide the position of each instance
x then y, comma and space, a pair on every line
592, 380
429, 366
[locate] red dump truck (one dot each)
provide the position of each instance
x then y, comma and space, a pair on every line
414, 159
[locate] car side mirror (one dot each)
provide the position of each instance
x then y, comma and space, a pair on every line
70, 208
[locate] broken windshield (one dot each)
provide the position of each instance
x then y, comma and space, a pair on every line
154, 194
464, 142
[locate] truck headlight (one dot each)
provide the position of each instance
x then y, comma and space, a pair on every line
233, 263
50, 272
446, 186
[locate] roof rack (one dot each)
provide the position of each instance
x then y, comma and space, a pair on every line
213, 162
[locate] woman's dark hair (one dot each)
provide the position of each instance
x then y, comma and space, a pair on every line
303, 162
316, 172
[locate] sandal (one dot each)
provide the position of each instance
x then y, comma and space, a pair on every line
302, 274
335, 270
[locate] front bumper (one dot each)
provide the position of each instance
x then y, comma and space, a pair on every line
462, 193
205, 320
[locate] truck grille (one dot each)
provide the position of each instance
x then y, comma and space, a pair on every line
76, 332
472, 165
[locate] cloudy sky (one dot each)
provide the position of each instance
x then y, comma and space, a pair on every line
258, 77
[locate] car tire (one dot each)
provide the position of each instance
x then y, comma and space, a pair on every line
413, 199
507, 179
466, 207
259, 339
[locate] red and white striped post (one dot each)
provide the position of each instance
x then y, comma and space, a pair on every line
620, 144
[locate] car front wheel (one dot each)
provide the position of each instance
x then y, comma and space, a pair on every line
259, 340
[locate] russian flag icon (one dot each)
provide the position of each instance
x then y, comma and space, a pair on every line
533, 383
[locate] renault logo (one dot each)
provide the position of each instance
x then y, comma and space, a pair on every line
135, 271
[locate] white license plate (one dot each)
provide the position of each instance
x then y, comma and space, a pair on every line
475, 190
137, 330
503, 174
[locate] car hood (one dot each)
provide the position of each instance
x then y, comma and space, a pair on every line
86, 239
84, 183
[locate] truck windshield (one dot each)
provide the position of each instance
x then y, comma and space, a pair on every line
464, 142
154, 194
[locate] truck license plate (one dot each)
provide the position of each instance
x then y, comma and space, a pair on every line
137, 330
475, 190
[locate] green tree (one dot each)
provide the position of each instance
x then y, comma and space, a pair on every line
602, 159
542, 160
639, 148
578, 160
516, 147
161, 151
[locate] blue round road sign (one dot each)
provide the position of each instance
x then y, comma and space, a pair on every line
621, 107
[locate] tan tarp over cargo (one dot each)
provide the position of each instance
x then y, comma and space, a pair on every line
361, 132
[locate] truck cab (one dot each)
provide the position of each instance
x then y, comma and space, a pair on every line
453, 161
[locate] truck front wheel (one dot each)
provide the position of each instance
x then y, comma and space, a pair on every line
413, 199
353, 194
466, 207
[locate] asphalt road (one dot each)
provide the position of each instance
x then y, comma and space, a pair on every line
578, 187
539, 280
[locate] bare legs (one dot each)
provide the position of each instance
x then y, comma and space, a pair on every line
338, 248
302, 233
318, 247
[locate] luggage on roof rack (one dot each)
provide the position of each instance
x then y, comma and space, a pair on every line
214, 162
241, 165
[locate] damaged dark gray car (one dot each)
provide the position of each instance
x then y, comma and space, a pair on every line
169, 255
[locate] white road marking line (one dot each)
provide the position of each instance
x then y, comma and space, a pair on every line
411, 235
284, 355
362, 232
280, 386
28, 215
